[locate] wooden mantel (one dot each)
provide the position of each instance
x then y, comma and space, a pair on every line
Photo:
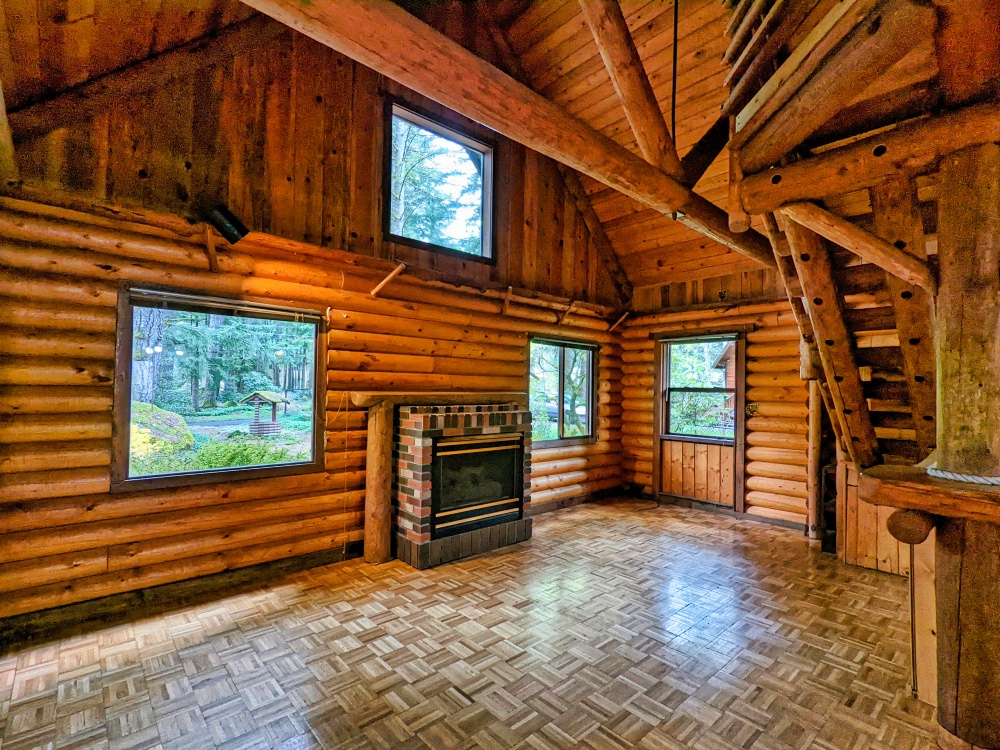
911, 488
381, 407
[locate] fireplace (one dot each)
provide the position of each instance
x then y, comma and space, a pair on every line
461, 481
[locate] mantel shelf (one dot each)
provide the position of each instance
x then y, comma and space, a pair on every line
367, 399
910, 487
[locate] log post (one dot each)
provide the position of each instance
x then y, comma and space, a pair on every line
968, 347
378, 484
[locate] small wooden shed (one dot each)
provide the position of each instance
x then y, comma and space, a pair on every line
263, 398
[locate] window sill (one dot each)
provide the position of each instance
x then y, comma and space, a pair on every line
563, 442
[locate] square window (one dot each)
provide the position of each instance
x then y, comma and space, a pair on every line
215, 390
561, 391
700, 394
439, 187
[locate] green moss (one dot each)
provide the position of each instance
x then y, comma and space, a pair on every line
156, 431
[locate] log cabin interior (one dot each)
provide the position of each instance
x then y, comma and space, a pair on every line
500, 374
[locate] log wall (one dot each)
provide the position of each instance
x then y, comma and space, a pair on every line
65, 538
289, 135
776, 446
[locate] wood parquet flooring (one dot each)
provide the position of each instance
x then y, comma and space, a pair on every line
612, 628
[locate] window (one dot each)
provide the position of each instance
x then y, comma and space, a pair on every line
561, 390
700, 393
212, 387
439, 186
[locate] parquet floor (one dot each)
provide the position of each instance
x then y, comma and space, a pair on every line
613, 628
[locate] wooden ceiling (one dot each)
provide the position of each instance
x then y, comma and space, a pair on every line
47, 46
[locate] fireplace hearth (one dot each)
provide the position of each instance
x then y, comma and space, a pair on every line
461, 481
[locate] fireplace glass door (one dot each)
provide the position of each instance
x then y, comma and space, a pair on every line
477, 482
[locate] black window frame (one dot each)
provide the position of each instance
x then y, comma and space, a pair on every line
191, 301
457, 134
563, 344
666, 390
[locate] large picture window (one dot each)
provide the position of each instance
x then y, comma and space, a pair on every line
439, 186
560, 390
700, 393
210, 387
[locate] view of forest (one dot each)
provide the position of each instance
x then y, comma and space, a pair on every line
191, 371
436, 189
544, 368
705, 414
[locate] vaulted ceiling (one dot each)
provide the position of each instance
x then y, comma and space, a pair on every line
48, 46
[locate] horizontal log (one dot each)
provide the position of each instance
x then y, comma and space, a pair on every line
778, 333
777, 455
93, 587
417, 364
38, 371
776, 502
79, 536
30, 285
57, 315
38, 485
88, 509
778, 409
777, 471
777, 440
778, 364
34, 457
778, 424
780, 515
358, 341
542, 455
541, 469
778, 486
54, 428
395, 381
30, 574
25, 342
788, 395
553, 481
780, 349
31, 399
774, 380
584, 489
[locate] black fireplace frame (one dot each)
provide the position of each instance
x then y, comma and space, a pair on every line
445, 523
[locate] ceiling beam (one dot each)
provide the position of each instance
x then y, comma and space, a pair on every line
834, 342
621, 58
571, 181
847, 50
95, 96
907, 149
8, 162
891, 259
389, 40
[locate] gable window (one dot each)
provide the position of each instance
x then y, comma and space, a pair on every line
561, 390
211, 389
438, 186
700, 392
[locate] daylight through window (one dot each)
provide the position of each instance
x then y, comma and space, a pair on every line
561, 390
700, 391
439, 186
216, 386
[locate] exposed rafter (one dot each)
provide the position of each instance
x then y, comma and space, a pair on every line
907, 149
97, 95
391, 41
621, 58
605, 250
854, 44
891, 259
834, 342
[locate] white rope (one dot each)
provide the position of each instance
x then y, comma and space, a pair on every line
971, 478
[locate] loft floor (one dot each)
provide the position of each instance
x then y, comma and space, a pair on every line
614, 627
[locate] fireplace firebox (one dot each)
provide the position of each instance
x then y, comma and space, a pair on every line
461, 481
476, 482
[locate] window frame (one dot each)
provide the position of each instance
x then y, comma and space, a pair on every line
591, 436
457, 134
664, 391
192, 301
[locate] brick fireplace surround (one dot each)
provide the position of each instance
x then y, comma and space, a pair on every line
418, 427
